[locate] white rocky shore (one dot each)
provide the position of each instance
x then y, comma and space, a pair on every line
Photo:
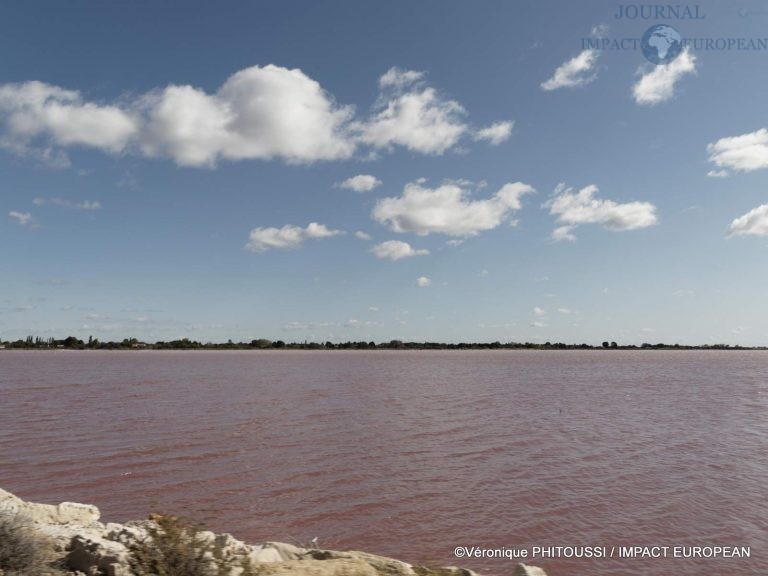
88, 547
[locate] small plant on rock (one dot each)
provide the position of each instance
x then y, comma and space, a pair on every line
176, 547
23, 552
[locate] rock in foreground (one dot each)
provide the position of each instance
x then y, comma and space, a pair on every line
84, 545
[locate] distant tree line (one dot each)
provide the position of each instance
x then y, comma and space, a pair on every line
73, 343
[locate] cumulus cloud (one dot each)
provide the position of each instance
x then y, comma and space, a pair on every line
362, 235
423, 282
398, 78
21, 218
34, 110
754, 222
411, 114
361, 183
539, 311
718, 173
448, 209
658, 84
578, 71
496, 133
576, 208
260, 112
743, 153
395, 250
287, 237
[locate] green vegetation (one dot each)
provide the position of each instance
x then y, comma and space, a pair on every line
72, 343
24, 552
175, 547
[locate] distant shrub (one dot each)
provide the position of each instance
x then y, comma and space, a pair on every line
427, 571
23, 552
176, 547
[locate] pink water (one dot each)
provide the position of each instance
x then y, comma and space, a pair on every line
408, 454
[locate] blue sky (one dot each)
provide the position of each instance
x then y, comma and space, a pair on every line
162, 170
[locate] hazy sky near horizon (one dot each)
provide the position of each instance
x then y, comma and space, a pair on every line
426, 170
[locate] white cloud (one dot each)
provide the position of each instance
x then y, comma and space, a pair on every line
718, 173
496, 133
287, 237
413, 115
42, 152
21, 218
189, 126
101, 327
395, 250
295, 325
398, 78
260, 112
578, 71
447, 209
355, 323
34, 110
83, 205
361, 183
742, 153
658, 84
539, 311
362, 235
599, 31
86, 205
538, 324
564, 310
575, 208
423, 282
754, 222
289, 326
563, 233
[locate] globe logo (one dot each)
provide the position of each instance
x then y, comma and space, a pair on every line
661, 44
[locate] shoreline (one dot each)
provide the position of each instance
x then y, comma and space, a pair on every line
81, 544
409, 348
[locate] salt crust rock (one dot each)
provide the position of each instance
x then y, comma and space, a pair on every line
91, 548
